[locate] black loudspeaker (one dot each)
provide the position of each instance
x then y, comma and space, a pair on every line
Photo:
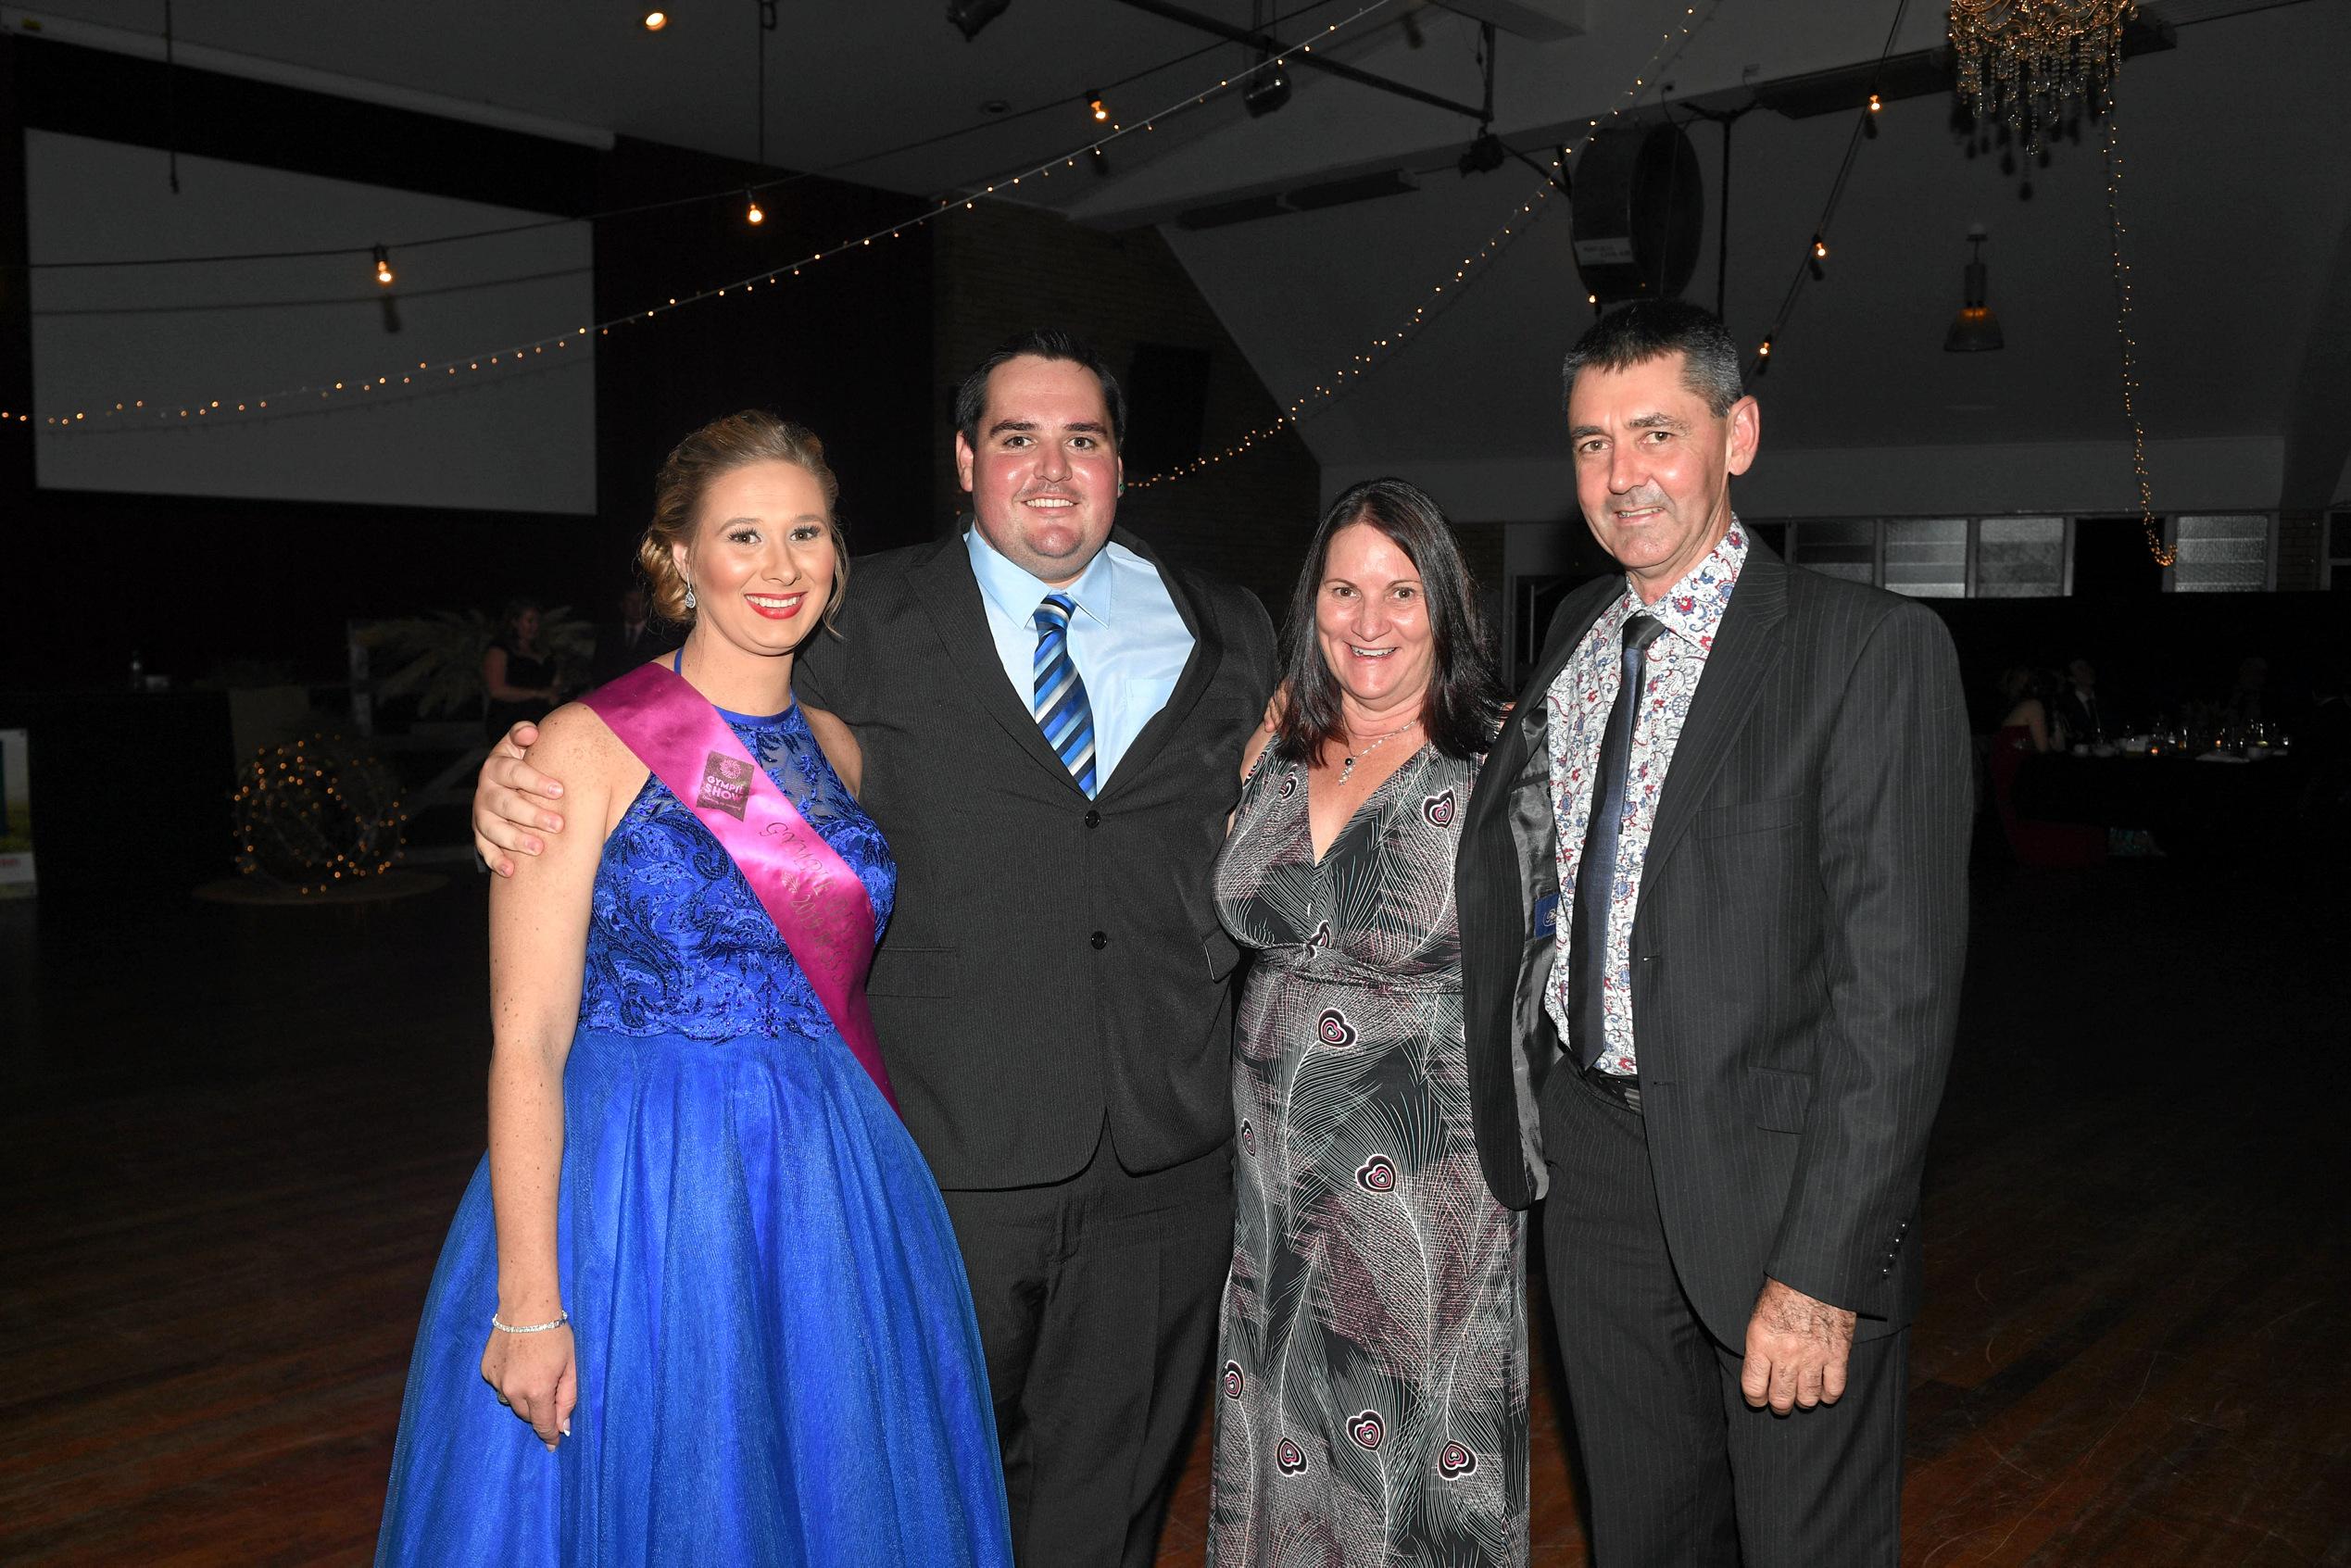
1639, 214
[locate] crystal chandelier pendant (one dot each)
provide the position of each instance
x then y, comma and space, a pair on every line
2022, 61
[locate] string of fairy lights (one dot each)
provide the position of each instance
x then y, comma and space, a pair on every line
1383, 347
353, 389
1379, 349
2115, 235
1811, 267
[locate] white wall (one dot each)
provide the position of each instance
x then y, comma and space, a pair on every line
517, 439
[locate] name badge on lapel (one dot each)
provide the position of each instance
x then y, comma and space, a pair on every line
1545, 919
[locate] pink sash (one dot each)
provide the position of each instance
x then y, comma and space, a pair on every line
817, 901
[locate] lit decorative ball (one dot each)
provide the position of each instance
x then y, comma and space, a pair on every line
317, 815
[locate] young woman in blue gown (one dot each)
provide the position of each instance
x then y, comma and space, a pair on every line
701, 1304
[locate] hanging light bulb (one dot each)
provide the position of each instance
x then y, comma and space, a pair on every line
751, 212
383, 267
1765, 351
1819, 249
1974, 329
1875, 103
656, 20
1094, 101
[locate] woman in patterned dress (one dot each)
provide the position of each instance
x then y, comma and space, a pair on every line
1373, 1387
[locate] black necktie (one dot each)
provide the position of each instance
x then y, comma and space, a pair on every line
1596, 871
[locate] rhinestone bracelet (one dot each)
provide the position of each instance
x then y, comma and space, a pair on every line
560, 1319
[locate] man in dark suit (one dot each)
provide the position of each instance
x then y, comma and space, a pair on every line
1052, 720
623, 644
2077, 707
1712, 937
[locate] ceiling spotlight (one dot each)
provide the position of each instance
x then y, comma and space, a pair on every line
383, 267
656, 20
1269, 89
1094, 101
1974, 329
970, 16
1485, 155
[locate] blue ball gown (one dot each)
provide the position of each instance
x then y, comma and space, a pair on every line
777, 1358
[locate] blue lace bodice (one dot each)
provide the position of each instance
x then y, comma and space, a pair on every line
677, 943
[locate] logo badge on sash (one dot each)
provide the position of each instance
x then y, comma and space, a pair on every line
727, 784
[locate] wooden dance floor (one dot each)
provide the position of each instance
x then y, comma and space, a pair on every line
231, 1139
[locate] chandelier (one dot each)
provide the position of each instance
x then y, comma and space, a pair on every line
2020, 60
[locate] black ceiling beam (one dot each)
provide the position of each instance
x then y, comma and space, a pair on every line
1915, 75
1266, 43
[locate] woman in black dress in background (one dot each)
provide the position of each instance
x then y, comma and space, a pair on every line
518, 672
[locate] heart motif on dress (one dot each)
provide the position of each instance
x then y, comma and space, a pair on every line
1367, 1429
1376, 1174
1248, 1137
1455, 1461
1439, 810
1321, 938
1289, 787
1289, 1457
1234, 1382
1333, 1029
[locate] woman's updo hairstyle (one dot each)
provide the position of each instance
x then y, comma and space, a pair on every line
718, 448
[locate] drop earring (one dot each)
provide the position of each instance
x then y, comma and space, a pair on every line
689, 595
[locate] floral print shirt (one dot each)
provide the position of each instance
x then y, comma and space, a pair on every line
1690, 613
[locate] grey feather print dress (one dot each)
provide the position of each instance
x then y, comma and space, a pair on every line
1372, 1407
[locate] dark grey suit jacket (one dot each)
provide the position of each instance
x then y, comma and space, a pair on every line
1052, 959
1796, 948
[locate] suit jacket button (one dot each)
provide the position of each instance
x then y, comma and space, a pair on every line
1093, 819
1100, 939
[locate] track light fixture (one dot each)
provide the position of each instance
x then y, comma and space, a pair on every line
970, 16
1485, 155
1269, 90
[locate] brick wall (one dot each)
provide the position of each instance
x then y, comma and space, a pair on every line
1000, 269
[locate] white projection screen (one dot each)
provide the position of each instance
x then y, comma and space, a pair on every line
513, 436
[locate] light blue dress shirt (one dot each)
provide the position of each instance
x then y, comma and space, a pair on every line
1128, 640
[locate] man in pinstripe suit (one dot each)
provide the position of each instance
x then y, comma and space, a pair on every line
1714, 909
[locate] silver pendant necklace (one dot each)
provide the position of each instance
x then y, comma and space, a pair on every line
1346, 768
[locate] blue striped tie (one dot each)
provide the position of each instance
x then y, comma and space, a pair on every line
1060, 702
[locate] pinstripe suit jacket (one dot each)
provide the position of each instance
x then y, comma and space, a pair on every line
1796, 947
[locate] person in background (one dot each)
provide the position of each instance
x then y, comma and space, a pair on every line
703, 1270
1049, 714
2248, 704
2029, 726
1374, 1323
518, 670
2077, 709
628, 640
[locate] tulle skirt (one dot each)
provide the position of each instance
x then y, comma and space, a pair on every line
777, 1358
